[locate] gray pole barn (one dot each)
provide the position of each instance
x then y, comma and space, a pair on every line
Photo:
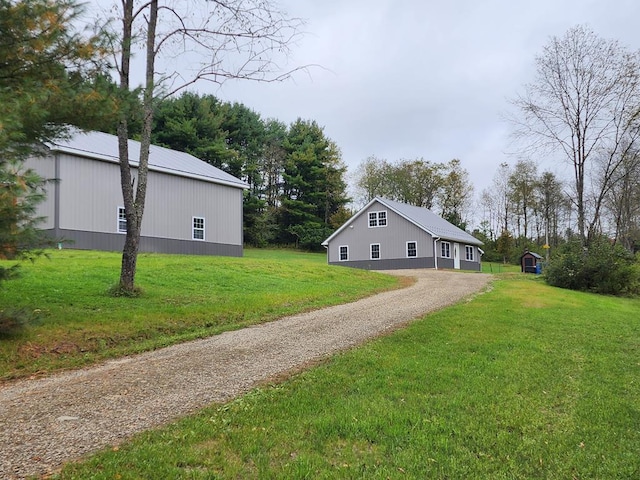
191, 207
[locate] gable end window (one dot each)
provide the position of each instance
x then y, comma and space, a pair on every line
468, 253
343, 253
378, 219
445, 250
375, 251
412, 249
198, 228
122, 221
382, 219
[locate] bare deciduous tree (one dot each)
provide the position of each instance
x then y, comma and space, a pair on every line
214, 41
522, 183
583, 105
623, 202
456, 194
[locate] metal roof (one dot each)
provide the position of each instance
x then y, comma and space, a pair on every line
104, 147
423, 218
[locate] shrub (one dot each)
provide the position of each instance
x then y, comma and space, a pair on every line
310, 235
600, 268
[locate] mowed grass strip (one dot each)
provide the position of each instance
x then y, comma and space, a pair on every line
185, 297
525, 381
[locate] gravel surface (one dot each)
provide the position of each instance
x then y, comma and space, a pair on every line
46, 422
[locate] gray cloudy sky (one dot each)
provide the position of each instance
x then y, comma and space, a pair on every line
420, 78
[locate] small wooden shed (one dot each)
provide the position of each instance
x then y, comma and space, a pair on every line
531, 262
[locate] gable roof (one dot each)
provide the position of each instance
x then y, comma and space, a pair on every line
104, 147
423, 218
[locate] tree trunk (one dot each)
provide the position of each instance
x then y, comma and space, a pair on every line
134, 206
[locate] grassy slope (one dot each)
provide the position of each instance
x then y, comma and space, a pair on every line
525, 381
185, 297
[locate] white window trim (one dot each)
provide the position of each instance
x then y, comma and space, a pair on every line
203, 229
407, 249
468, 248
118, 220
340, 253
449, 249
371, 251
377, 220
386, 218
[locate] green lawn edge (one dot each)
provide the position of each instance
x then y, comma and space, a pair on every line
74, 322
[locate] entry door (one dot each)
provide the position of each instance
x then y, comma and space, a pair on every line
456, 256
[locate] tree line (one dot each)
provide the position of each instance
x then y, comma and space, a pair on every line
297, 191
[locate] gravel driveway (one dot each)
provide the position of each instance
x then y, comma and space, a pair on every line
46, 422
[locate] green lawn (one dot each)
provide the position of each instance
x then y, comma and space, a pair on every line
185, 297
498, 267
525, 381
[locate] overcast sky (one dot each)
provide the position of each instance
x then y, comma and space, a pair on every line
405, 79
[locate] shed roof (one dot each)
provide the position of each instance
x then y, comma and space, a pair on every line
104, 147
423, 218
532, 254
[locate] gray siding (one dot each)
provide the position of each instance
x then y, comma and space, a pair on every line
174, 201
89, 195
393, 238
46, 168
115, 242
388, 264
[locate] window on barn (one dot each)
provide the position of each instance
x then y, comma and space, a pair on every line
375, 251
198, 228
378, 219
445, 250
412, 249
344, 253
468, 250
122, 221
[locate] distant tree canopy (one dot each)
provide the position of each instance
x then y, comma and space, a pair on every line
442, 187
295, 173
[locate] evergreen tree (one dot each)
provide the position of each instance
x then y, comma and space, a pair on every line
194, 125
51, 78
313, 185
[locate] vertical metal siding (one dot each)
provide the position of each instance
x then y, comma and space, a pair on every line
46, 168
90, 195
173, 201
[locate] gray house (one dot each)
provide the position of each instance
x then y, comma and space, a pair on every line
191, 207
387, 234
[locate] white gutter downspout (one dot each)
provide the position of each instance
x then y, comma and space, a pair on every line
435, 251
